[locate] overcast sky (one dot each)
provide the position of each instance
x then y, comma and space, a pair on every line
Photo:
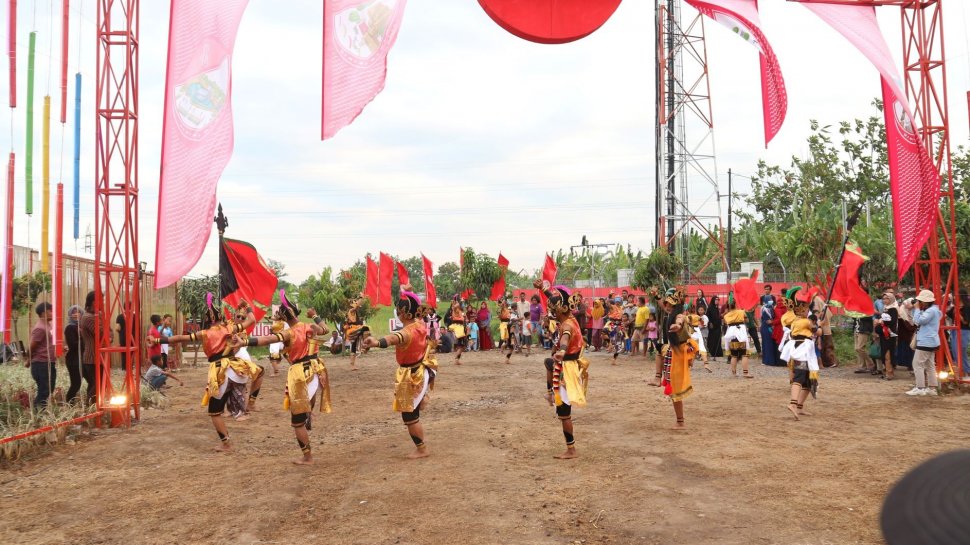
479, 139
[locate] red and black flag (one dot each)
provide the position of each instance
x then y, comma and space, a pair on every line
243, 275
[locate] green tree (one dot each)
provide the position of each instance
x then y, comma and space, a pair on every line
447, 280
661, 269
480, 271
331, 295
191, 294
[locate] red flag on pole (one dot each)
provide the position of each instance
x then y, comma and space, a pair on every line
745, 294
430, 293
402, 274
245, 276
848, 290
370, 283
498, 288
357, 36
385, 270
197, 133
548, 278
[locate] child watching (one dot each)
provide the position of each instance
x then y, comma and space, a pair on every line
156, 376
652, 343
473, 337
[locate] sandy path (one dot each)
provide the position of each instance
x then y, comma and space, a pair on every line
745, 473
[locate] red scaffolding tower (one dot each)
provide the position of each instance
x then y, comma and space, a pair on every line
117, 272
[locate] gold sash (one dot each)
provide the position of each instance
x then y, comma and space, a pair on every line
299, 375
409, 381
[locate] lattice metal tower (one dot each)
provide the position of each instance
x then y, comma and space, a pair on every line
687, 196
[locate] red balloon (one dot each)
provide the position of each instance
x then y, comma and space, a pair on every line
550, 21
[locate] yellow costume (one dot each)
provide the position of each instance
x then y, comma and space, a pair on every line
417, 366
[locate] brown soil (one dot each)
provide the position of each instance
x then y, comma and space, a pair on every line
744, 473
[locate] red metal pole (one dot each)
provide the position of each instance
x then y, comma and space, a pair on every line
8, 278
57, 282
52, 427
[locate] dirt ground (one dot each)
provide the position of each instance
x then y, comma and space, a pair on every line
745, 472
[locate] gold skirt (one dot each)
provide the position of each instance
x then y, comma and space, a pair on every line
298, 378
575, 378
217, 374
409, 382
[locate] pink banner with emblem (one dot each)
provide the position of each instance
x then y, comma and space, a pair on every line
197, 133
913, 178
741, 17
357, 36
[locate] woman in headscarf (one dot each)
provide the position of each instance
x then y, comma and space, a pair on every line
484, 318
72, 354
769, 350
597, 314
416, 366
224, 366
714, 328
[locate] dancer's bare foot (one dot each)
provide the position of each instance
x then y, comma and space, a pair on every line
707, 368
568, 455
275, 374
242, 418
224, 447
794, 411
420, 452
353, 368
305, 461
654, 382
803, 413
679, 426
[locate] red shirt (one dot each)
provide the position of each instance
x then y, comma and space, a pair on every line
154, 349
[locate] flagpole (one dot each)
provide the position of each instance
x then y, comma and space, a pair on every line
221, 222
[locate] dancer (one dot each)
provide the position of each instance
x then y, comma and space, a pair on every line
677, 355
456, 324
224, 366
800, 354
237, 403
307, 373
696, 321
416, 366
736, 337
354, 329
567, 371
276, 349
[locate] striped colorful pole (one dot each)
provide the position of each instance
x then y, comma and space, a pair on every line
29, 169
45, 260
6, 290
65, 32
12, 50
57, 283
77, 155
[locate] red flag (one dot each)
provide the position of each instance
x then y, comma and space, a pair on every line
197, 137
498, 288
385, 270
402, 274
430, 294
914, 181
357, 36
466, 294
741, 16
745, 294
370, 283
548, 278
847, 290
243, 275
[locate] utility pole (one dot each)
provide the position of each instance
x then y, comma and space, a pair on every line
592, 270
730, 232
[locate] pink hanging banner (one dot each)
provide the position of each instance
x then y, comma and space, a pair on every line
12, 49
357, 36
197, 137
6, 264
57, 282
913, 178
741, 17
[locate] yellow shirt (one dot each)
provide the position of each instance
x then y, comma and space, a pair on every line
802, 327
458, 330
735, 317
643, 314
787, 318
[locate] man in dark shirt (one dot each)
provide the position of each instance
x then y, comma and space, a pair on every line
86, 332
863, 338
43, 358
446, 341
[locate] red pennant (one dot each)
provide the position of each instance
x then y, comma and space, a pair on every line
245, 276
498, 288
745, 294
548, 278
385, 271
848, 291
402, 274
430, 293
370, 285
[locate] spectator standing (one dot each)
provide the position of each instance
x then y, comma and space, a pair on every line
768, 296
960, 340
72, 352
86, 334
889, 340
535, 313
596, 324
863, 336
527, 336
769, 350
714, 329
927, 319
639, 325
700, 301
155, 336
905, 330
42, 355
651, 334
473, 336
167, 332
484, 319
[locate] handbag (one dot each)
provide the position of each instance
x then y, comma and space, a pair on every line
875, 352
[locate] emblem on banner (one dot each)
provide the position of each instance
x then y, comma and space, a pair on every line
360, 30
200, 99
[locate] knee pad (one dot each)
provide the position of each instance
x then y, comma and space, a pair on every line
563, 411
254, 394
297, 420
412, 417
217, 406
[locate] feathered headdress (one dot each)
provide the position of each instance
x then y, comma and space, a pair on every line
288, 309
674, 296
409, 303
